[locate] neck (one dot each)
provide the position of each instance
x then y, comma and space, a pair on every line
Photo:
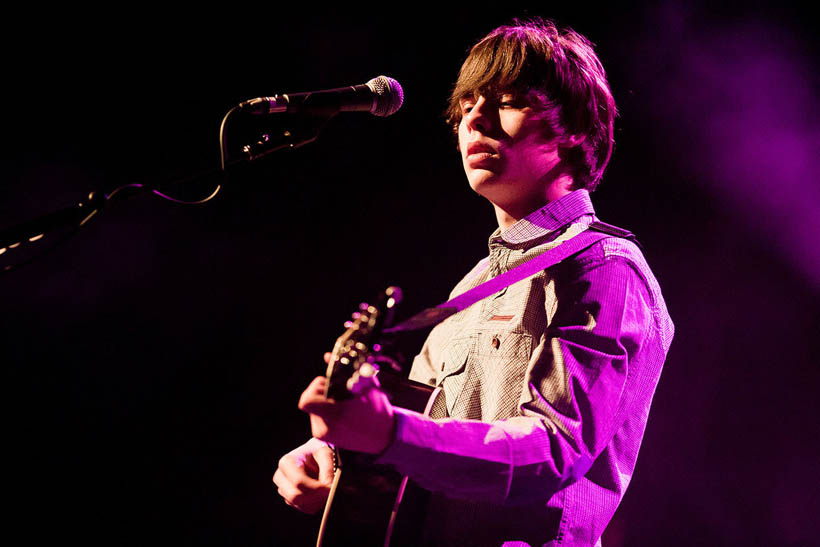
509, 214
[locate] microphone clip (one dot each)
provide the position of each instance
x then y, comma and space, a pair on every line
272, 141
265, 105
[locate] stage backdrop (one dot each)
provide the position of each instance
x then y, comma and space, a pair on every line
153, 361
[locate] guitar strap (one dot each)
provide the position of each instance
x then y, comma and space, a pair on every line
592, 234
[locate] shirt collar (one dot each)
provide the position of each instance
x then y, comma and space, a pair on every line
546, 220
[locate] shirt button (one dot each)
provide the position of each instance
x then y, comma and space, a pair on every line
496, 342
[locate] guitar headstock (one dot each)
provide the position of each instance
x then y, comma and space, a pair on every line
352, 366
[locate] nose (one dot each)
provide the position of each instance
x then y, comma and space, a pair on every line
478, 119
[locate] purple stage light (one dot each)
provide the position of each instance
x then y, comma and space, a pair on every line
736, 102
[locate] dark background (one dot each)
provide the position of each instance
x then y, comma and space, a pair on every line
152, 363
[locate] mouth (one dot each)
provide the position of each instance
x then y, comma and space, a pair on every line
480, 149
480, 155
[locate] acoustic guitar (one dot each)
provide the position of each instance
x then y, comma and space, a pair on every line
371, 505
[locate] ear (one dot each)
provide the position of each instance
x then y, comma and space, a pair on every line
568, 144
574, 140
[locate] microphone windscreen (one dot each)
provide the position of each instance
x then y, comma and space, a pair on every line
389, 95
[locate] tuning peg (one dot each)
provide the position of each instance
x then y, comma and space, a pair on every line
394, 296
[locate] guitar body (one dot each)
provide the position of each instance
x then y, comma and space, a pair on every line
371, 505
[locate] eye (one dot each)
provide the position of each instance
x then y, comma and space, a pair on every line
467, 106
508, 100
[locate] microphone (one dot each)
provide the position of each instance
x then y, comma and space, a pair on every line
381, 96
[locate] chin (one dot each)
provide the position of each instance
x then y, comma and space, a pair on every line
482, 180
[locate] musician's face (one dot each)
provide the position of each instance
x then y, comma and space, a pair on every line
507, 154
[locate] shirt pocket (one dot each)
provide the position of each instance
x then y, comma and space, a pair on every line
504, 358
451, 373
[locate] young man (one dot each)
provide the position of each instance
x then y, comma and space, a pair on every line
547, 383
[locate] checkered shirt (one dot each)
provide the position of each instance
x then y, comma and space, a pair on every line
547, 386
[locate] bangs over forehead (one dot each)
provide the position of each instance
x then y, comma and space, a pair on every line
510, 59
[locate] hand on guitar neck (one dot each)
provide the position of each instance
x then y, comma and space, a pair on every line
346, 406
362, 423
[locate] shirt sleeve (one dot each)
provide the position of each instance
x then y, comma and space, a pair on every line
578, 392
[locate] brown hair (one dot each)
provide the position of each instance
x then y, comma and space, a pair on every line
570, 84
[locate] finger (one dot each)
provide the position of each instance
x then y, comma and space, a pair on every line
288, 470
327, 357
319, 383
363, 384
311, 467
305, 500
308, 506
279, 478
318, 406
314, 391
296, 474
290, 495
313, 401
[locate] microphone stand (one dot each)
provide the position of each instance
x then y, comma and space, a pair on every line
299, 130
